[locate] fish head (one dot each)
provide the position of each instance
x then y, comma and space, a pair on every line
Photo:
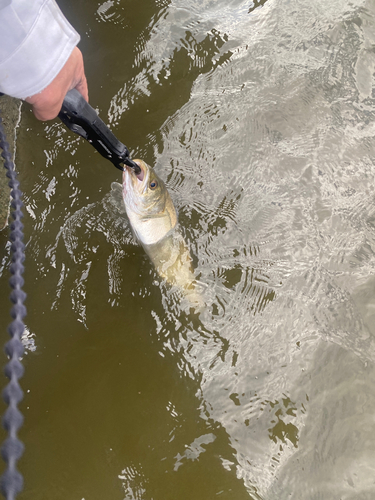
148, 205
145, 192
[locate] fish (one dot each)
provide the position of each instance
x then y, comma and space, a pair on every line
154, 223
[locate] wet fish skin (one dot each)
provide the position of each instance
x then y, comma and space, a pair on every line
153, 220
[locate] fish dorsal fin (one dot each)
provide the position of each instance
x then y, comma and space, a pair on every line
114, 207
116, 199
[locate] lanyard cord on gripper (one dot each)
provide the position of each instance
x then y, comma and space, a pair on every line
11, 482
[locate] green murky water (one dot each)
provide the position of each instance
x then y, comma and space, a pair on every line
259, 117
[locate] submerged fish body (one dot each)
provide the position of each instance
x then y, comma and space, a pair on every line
153, 220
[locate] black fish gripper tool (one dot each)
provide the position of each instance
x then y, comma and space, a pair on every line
81, 118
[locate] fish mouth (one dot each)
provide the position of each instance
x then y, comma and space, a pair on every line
141, 174
137, 181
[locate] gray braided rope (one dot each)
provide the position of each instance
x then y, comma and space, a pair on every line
11, 482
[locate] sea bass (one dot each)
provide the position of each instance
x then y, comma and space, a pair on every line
153, 220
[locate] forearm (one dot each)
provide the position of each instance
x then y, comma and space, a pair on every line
36, 42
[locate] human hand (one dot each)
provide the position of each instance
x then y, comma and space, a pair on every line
47, 104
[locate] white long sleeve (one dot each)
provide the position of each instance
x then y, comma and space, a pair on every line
36, 40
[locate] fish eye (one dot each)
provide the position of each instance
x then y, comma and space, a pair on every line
153, 185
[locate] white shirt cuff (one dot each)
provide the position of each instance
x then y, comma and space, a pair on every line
41, 55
